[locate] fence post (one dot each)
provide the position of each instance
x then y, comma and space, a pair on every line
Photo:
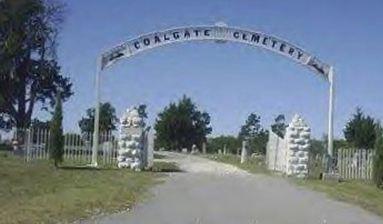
244, 152
27, 143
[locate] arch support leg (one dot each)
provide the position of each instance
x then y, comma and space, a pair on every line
330, 140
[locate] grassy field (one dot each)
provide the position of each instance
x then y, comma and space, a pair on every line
38, 193
364, 195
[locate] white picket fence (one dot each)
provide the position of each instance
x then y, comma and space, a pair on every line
355, 163
35, 145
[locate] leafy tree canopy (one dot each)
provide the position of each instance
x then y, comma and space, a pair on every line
180, 125
360, 130
253, 132
108, 118
29, 72
279, 126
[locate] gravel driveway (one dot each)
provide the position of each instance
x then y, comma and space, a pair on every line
209, 192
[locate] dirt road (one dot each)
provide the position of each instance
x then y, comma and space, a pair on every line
209, 192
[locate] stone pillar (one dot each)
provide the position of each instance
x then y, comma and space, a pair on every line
224, 149
244, 151
131, 141
298, 144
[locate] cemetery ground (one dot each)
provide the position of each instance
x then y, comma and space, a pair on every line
363, 194
38, 193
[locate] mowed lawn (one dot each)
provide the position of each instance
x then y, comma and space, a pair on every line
365, 195
38, 193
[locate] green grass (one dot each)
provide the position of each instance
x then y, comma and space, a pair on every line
365, 195
159, 156
38, 193
165, 167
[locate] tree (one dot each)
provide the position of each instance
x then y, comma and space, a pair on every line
360, 131
279, 126
253, 132
29, 72
108, 119
38, 124
181, 125
232, 144
142, 111
378, 159
57, 139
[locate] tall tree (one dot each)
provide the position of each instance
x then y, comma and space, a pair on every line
279, 126
29, 72
181, 125
253, 132
360, 130
108, 119
57, 139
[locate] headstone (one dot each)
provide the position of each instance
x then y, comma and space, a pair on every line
224, 149
185, 150
194, 149
219, 151
131, 141
244, 152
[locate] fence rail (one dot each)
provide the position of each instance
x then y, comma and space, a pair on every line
35, 145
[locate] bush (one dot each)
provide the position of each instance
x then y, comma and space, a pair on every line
378, 160
5, 147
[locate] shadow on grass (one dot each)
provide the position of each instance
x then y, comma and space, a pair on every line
158, 167
167, 170
78, 168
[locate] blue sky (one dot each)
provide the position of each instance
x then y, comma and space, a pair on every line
228, 80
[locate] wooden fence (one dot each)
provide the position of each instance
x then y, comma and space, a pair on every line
355, 163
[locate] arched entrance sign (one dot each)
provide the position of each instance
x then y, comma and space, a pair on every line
219, 34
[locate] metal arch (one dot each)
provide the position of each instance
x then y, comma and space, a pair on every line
219, 34
215, 33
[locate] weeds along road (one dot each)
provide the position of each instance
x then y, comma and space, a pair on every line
209, 192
